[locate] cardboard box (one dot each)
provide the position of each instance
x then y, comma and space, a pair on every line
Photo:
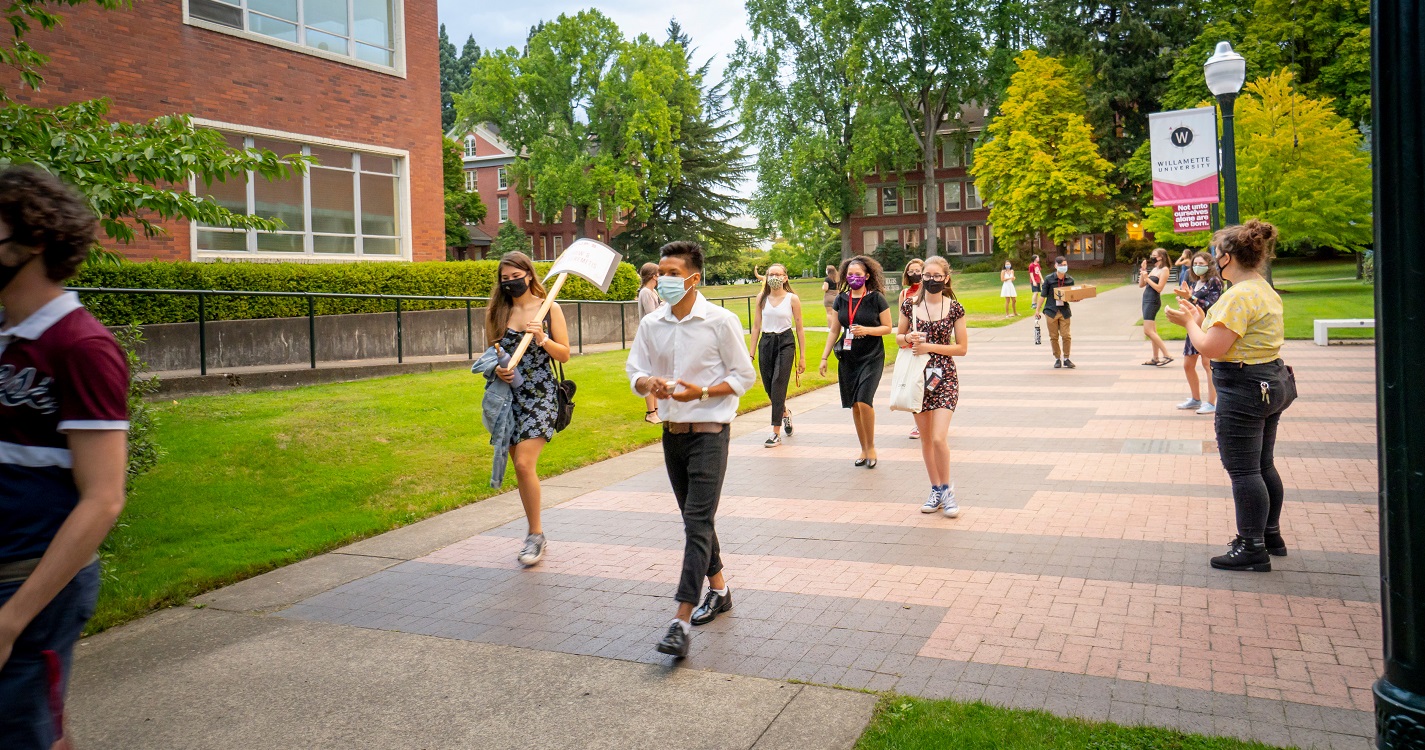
1075, 293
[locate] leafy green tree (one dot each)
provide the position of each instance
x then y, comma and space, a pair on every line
701, 202
927, 58
127, 171
1040, 169
511, 239
454, 75
461, 207
1300, 166
598, 116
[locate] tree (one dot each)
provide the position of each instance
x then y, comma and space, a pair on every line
1300, 166
703, 199
598, 117
511, 239
799, 84
461, 206
454, 75
1040, 169
927, 58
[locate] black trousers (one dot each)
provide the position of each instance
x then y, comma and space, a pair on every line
1250, 402
776, 356
697, 463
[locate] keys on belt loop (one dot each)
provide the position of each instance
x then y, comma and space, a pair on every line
1266, 391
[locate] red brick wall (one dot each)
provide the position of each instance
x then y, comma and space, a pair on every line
150, 63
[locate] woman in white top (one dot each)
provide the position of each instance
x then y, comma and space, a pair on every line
1007, 290
648, 301
778, 311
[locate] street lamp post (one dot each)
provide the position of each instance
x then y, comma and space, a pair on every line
1225, 72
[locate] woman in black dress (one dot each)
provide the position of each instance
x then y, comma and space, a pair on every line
862, 317
512, 312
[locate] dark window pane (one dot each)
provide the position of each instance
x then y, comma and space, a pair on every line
333, 202
217, 12
227, 242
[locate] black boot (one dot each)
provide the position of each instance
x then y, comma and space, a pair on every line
1275, 544
1245, 554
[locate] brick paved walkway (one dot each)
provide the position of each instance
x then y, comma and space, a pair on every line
1075, 580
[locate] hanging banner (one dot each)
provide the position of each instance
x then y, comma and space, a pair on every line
1184, 154
1196, 217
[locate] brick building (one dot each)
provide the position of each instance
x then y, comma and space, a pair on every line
354, 83
487, 160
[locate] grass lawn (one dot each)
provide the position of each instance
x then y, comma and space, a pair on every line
1309, 290
252, 482
913, 724
978, 292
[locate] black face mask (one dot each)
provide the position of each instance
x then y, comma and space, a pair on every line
913, 278
514, 288
934, 286
8, 273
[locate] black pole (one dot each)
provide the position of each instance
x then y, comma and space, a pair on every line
399, 358
1229, 159
202, 336
1398, 104
469, 333
312, 330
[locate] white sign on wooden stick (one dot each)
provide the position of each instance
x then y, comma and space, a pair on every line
590, 260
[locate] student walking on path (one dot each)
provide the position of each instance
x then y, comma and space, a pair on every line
691, 356
1007, 290
934, 323
1152, 278
1057, 313
862, 317
1202, 287
511, 314
648, 301
778, 312
1243, 335
910, 287
1036, 279
64, 389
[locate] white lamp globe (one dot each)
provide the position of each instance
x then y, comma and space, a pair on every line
1225, 71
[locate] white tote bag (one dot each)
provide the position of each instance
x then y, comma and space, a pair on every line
908, 379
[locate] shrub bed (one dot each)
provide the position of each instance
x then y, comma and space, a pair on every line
465, 279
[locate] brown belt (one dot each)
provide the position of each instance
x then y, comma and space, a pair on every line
19, 570
682, 428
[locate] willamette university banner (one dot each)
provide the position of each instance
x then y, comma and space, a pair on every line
1184, 154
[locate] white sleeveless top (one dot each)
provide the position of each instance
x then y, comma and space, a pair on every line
777, 318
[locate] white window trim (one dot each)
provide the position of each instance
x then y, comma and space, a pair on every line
398, 40
502, 178
980, 244
874, 193
471, 181
403, 198
504, 209
969, 190
947, 188
471, 149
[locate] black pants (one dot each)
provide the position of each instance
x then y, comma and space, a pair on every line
1250, 402
776, 355
697, 463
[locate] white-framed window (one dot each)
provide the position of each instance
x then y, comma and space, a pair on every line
869, 239
953, 244
974, 245
502, 178
528, 211
543, 246
504, 209
952, 195
348, 204
969, 153
872, 202
361, 32
470, 147
909, 238
889, 200
558, 244
909, 204
950, 153
972, 196
470, 183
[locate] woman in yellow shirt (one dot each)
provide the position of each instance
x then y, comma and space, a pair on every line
1242, 334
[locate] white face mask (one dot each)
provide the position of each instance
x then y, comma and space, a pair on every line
1061, 269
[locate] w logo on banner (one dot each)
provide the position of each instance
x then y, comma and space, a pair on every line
1181, 137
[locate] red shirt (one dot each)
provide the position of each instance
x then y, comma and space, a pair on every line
60, 370
1034, 275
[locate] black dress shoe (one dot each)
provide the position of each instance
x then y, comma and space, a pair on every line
1058, 364
675, 642
713, 605
1244, 554
860, 462
1275, 544
1069, 363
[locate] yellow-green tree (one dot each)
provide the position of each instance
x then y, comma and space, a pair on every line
1300, 166
1040, 169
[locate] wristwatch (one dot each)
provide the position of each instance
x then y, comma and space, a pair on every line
704, 397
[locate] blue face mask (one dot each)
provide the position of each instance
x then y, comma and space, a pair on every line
671, 289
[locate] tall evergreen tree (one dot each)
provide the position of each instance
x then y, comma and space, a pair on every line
454, 75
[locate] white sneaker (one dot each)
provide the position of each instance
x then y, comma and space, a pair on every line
948, 504
1191, 403
1208, 409
932, 503
774, 441
533, 550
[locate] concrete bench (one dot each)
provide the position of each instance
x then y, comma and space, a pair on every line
1323, 327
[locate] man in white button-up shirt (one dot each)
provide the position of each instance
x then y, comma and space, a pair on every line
690, 354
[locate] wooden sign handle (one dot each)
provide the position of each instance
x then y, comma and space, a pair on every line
544, 309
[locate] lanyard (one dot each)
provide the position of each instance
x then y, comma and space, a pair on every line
853, 305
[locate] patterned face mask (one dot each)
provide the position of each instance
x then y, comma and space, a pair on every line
776, 282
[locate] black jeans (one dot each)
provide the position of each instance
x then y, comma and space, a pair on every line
776, 356
697, 463
1250, 402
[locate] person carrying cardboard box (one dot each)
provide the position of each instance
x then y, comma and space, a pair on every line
1057, 312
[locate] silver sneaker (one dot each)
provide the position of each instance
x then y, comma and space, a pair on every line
1191, 403
533, 550
932, 503
947, 503
1208, 409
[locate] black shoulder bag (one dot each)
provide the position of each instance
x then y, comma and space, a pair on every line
563, 391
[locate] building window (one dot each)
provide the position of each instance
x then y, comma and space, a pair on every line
952, 241
470, 147
973, 244
909, 204
470, 185
950, 153
869, 238
346, 204
969, 154
361, 30
910, 238
503, 179
601, 236
972, 196
558, 244
543, 245
504, 209
952, 196
888, 201
528, 212
869, 209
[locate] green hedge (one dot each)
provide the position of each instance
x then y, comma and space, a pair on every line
464, 279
